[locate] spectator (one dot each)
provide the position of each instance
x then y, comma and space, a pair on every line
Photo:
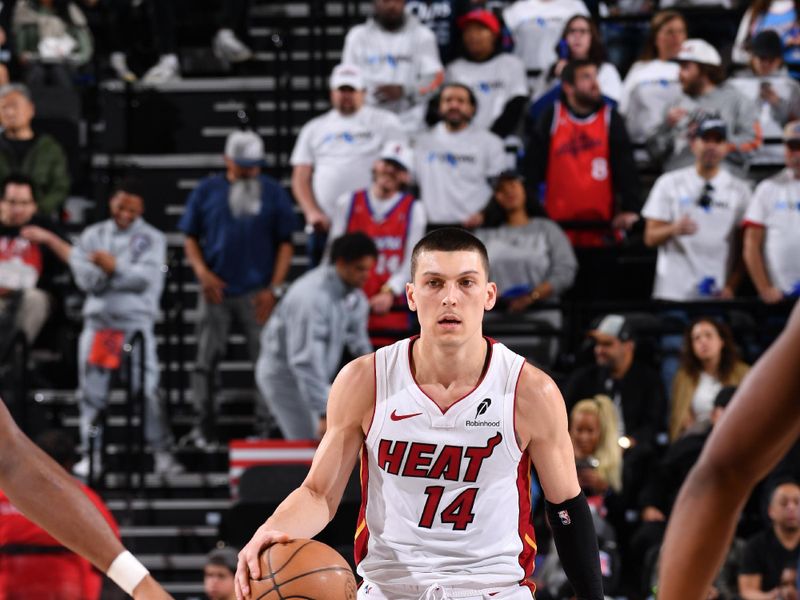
536, 26
394, 219
581, 41
440, 17
772, 220
334, 152
580, 158
238, 228
455, 160
532, 261
34, 564
773, 550
709, 361
496, 78
593, 428
218, 574
37, 155
776, 95
652, 83
693, 216
779, 16
29, 271
119, 264
660, 490
634, 387
704, 95
788, 587
323, 313
399, 59
50, 34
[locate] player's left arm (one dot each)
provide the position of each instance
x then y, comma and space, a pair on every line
542, 431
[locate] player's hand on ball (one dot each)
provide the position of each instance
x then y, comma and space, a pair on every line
148, 589
248, 566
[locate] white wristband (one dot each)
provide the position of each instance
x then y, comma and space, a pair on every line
127, 572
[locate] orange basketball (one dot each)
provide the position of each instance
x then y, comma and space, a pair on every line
303, 569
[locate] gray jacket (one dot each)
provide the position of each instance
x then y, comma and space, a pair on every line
317, 318
130, 296
671, 145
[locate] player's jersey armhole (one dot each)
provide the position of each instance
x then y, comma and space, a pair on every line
379, 375
514, 406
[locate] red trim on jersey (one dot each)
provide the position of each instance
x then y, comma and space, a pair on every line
374, 395
362, 531
486, 366
516, 392
526, 532
747, 223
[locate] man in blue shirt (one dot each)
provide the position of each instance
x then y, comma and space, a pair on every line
238, 228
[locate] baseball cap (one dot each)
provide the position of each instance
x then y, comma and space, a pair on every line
245, 148
506, 175
613, 325
699, 51
482, 16
767, 44
345, 75
791, 132
225, 556
399, 153
712, 125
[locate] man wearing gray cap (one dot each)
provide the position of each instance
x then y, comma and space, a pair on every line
238, 228
704, 94
334, 152
772, 220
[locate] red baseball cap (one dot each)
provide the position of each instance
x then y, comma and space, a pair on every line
482, 16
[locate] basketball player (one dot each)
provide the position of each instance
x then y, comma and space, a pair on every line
760, 425
46, 494
447, 425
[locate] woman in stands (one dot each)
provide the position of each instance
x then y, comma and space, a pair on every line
652, 82
581, 40
594, 429
532, 260
709, 361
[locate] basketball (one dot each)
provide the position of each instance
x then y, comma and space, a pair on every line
303, 569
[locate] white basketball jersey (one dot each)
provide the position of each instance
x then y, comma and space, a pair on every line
445, 494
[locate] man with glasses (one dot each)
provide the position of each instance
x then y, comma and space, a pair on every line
771, 243
29, 272
692, 217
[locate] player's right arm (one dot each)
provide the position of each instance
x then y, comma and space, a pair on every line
308, 509
35, 484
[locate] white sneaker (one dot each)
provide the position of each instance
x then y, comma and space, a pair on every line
165, 70
81, 468
165, 464
119, 63
227, 47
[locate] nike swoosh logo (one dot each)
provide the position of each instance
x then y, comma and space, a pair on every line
395, 417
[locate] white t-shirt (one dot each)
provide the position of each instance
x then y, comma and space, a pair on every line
771, 120
691, 3
689, 264
407, 57
776, 206
494, 83
379, 209
649, 89
703, 399
453, 168
342, 150
537, 26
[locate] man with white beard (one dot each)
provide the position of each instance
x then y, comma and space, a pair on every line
238, 228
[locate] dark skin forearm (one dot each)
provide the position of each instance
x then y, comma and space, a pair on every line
36, 485
758, 428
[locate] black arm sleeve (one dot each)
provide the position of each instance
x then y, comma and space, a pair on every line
576, 542
511, 116
624, 174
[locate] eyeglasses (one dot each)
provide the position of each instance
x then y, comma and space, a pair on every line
704, 201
